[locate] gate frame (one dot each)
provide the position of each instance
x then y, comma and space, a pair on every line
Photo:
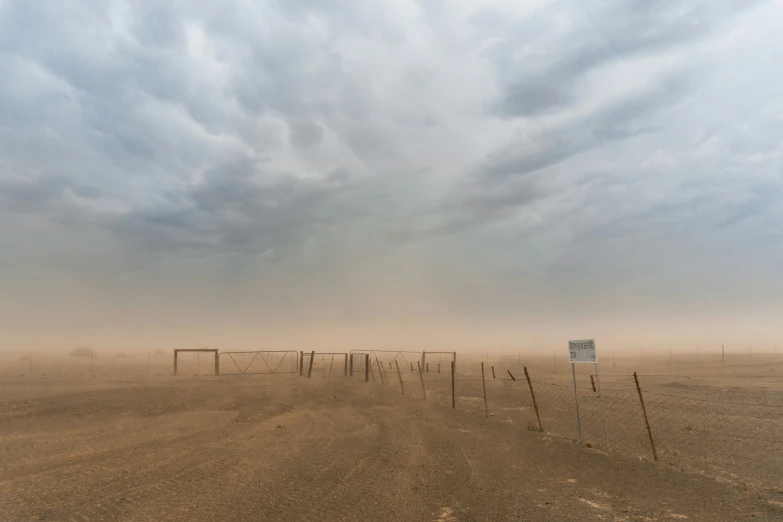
213, 350
256, 352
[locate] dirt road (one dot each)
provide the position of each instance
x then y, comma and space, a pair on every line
254, 448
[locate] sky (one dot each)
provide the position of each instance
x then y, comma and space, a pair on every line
451, 174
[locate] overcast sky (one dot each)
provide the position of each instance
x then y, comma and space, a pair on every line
185, 173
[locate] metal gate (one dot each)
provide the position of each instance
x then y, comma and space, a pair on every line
259, 362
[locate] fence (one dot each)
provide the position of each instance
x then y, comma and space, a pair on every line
85, 363
733, 441
259, 362
324, 364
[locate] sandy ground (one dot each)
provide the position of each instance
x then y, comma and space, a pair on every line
285, 448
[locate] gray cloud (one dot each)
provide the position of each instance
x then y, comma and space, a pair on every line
320, 148
612, 31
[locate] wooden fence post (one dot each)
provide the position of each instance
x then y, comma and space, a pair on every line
310, 369
175, 361
493, 371
423, 391
535, 403
484, 386
646, 419
511, 375
380, 370
400, 376
592, 382
453, 395
345, 372
367, 368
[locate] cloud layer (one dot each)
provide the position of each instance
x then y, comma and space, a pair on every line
168, 164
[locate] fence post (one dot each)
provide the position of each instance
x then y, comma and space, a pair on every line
453, 396
367, 368
310, 368
484, 386
576, 400
427, 368
400, 376
533, 395
380, 371
411, 366
301, 363
511, 375
330, 367
175, 362
423, 391
646, 420
493, 371
592, 382
345, 371
439, 367
350, 367
217, 362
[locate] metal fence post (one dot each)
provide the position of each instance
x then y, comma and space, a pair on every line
301, 363
484, 386
400, 376
453, 396
576, 400
423, 391
345, 372
646, 420
533, 395
350, 366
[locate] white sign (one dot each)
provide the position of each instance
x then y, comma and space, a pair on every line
582, 351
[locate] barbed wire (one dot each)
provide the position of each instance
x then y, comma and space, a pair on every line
692, 433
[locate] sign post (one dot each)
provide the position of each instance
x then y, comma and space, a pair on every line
584, 352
